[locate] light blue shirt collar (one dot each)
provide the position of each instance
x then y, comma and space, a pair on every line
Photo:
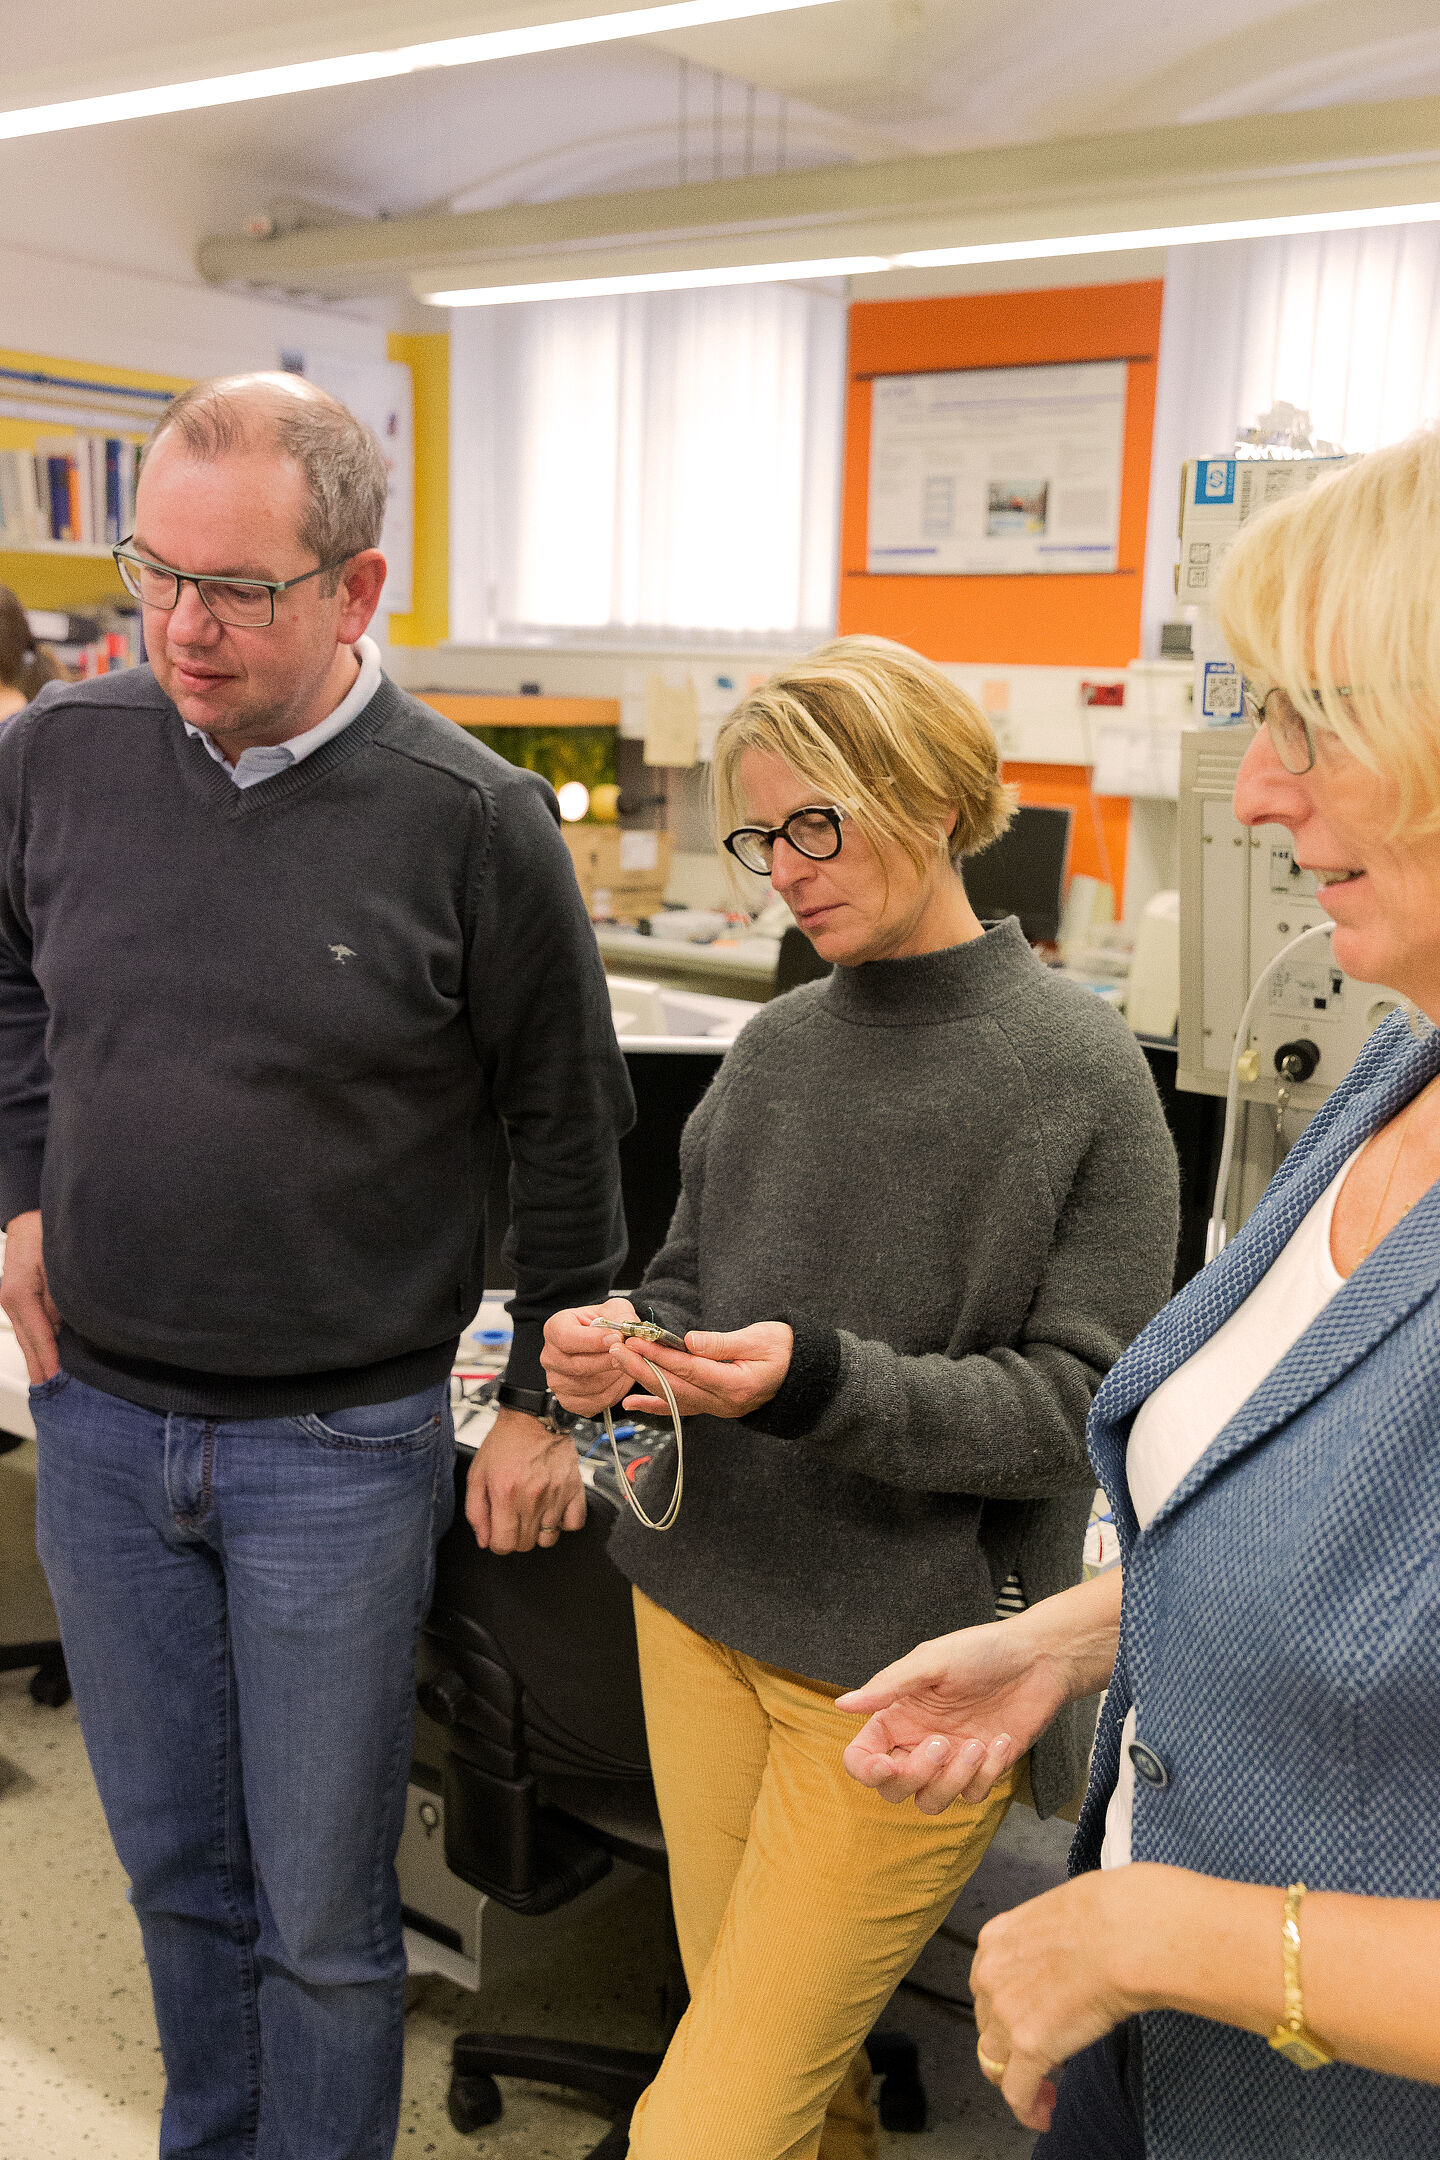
265, 762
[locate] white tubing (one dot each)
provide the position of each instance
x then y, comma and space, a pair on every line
673, 1508
1215, 1234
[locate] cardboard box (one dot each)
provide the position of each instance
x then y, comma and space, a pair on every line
633, 867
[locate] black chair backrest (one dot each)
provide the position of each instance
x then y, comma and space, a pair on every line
528, 1664
798, 962
562, 1625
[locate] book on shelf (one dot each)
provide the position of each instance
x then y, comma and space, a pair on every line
78, 489
88, 645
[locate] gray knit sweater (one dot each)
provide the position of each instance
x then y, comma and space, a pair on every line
953, 1177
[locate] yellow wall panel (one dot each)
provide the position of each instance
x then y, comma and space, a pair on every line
427, 354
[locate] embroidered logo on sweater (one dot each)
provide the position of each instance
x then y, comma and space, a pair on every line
342, 953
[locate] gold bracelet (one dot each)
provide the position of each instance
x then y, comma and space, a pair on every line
1292, 2037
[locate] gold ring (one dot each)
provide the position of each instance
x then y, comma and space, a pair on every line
988, 2063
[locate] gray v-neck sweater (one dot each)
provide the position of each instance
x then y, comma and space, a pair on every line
256, 1046
952, 1175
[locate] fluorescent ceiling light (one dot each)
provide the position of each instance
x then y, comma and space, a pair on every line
996, 251
1269, 228
643, 281
378, 66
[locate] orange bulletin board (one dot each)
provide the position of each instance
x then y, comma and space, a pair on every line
1085, 621
1062, 621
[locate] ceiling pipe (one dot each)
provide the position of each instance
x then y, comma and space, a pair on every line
1355, 158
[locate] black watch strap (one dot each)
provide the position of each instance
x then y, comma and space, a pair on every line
534, 1401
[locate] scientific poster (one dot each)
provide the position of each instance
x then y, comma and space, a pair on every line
994, 471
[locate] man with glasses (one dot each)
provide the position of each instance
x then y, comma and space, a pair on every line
281, 951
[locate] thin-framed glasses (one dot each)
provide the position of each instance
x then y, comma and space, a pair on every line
1291, 734
239, 603
815, 832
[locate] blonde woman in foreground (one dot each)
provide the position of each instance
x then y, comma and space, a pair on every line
925, 1204
1244, 1966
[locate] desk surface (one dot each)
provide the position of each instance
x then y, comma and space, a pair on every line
746, 966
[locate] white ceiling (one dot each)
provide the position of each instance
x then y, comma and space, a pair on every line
855, 80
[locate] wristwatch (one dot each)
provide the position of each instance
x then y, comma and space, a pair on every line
1292, 2037
536, 1402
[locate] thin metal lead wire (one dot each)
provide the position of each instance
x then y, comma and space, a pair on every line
667, 1520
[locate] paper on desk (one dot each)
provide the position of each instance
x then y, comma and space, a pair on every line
672, 721
639, 851
1134, 757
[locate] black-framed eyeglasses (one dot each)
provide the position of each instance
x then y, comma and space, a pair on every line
815, 832
239, 603
1291, 734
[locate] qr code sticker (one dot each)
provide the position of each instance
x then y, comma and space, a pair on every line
1224, 694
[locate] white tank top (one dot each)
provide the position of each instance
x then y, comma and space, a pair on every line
1176, 1424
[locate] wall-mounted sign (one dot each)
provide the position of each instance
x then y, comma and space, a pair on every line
993, 471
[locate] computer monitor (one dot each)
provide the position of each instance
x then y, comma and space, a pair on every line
1023, 872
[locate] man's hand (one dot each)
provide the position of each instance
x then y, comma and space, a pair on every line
724, 1376
25, 1296
524, 1486
951, 1718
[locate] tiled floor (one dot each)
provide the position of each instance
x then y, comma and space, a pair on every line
79, 2069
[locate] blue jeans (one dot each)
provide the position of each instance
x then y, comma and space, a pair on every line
239, 1602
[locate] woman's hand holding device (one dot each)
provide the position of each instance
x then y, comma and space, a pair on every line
582, 1374
724, 1376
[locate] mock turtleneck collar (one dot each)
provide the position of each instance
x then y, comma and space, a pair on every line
952, 984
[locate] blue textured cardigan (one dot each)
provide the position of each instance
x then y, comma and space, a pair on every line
1281, 1634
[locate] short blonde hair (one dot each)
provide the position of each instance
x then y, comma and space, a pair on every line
1337, 590
881, 733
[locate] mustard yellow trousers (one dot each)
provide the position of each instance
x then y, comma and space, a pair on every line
801, 1899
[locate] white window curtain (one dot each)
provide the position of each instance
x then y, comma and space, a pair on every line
1345, 325
647, 469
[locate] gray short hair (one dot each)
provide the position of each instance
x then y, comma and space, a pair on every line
344, 470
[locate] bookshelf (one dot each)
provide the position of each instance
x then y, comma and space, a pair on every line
50, 404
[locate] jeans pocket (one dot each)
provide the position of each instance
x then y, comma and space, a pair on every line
383, 1428
41, 1389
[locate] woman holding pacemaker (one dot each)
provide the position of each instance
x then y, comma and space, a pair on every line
1271, 1447
925, 1203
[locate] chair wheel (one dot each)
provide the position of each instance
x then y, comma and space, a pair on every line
902, 2104
50, 1686
472, 2102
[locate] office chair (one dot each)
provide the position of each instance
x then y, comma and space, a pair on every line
530, 1673
24, 1598
797, 962
49, 1682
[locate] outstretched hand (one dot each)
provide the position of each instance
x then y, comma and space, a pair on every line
949, 1719
723, 1376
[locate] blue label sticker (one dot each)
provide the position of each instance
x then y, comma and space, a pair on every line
1215, 480
1222, 698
